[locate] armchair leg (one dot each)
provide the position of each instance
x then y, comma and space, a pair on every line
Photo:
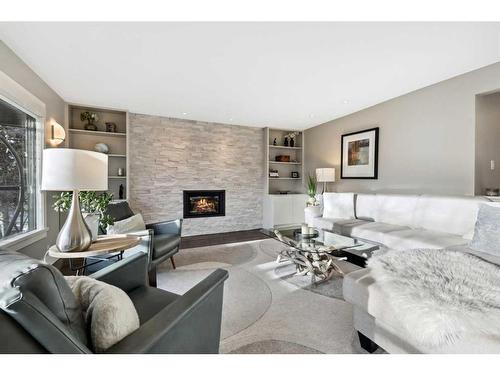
172, 260
152, 277
366, 343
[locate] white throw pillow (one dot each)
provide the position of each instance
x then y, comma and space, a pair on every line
132, 224
470, 235
338, 205
109, 313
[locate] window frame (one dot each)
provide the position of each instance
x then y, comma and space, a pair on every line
17, 96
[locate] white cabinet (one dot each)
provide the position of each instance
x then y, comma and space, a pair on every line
282, 210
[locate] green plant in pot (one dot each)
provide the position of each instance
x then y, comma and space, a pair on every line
90, 117
312, 184
93, 207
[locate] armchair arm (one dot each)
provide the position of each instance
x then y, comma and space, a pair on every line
166, 227
126, 274
191, 324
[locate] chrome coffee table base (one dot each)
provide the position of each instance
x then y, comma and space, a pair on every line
319, 266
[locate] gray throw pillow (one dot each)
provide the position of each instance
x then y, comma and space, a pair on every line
487, 231
109, 313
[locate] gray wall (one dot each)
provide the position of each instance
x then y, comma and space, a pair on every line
169, 155
426, 138
487, 142
14, 67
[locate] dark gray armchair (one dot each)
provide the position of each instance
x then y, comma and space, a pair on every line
39, 313
165, 237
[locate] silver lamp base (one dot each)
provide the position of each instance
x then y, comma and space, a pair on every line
75, 235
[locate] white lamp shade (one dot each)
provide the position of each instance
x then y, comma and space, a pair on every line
325, 174
66, 169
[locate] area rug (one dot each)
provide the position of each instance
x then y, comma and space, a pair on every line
267, 309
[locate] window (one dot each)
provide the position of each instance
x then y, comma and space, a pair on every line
20, 199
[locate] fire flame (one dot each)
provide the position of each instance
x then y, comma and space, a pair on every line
204, 205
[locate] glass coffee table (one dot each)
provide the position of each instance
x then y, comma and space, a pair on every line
316, 258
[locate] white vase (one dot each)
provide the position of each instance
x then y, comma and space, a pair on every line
92, 221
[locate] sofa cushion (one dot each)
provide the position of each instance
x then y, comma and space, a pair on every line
466, 249
164, 244
420, 238
338, 205
366, 206
487, 230
333, 224
134, 223
397, 209
455, 215
374, 231
119, 211
344, 227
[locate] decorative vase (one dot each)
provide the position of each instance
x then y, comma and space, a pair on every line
92, 221
286, 142
90, 126
292, 142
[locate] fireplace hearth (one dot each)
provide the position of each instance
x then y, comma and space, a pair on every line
204, 203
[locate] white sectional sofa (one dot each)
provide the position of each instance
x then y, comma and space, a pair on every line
399, 221
402, 222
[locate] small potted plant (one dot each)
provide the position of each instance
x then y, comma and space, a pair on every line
311, 190
90, 117
93, 207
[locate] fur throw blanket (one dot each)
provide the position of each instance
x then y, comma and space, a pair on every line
109, 313
440, 296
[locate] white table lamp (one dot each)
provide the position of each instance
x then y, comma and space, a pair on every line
66, 169
325, 175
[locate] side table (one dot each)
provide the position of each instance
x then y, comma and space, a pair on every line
104, 245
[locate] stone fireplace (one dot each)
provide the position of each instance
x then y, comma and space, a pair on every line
204, 203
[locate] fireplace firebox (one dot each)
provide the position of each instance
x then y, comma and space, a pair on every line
204, 203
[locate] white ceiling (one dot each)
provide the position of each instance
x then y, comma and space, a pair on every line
289, 75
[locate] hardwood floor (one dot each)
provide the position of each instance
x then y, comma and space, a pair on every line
221, 238
194, 241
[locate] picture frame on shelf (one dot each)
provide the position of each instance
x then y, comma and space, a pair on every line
359, 154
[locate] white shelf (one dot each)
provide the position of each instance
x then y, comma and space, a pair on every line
117, 156
285, 162
287, 147
117, 177
97, 132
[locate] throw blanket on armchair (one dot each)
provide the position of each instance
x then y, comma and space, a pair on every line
440, 296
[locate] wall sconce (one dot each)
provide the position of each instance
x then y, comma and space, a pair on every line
57, 134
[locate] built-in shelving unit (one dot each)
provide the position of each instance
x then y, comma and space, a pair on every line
117, 142
284, 210
285, 181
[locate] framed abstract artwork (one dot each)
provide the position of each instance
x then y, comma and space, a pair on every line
359, 154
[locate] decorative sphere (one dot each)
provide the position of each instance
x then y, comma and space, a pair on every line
102, 148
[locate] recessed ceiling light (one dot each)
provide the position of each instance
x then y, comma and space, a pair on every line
345, 101
184, 113
311, 116
230, 119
